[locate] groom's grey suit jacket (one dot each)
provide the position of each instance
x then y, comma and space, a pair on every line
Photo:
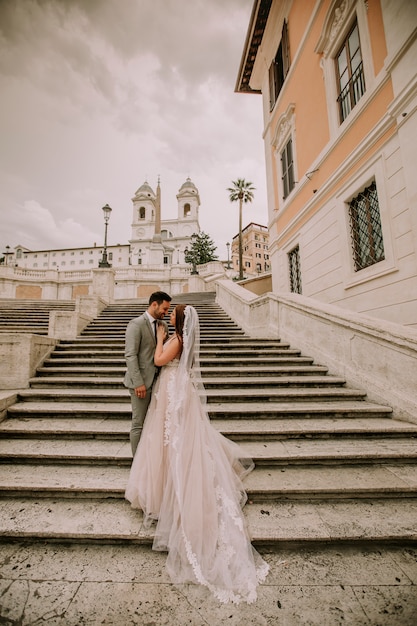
139, 352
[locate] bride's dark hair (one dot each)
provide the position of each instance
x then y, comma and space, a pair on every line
179, 321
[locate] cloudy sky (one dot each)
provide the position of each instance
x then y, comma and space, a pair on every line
98, 96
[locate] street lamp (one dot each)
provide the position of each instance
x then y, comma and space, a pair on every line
228, 250
106, 213
7, 255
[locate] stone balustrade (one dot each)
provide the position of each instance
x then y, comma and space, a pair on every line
372, 354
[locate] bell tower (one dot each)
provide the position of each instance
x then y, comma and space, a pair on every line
188, 201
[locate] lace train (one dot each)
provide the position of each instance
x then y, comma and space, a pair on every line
188, 477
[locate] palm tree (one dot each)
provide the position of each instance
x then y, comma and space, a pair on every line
242, 190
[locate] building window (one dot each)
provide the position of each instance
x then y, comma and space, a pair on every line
366, 229
350, 75
90, 262
279, 67
142, 213
18, 253
187, 209
295, 271
166, 260
287, 169
110, 256
91, 251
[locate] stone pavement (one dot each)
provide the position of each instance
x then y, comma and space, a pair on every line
76, 584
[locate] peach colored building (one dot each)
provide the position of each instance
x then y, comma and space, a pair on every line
338, 80
255, 238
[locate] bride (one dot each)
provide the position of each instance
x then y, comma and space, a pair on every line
188, 478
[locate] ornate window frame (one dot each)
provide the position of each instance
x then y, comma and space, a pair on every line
339, 20
285, 130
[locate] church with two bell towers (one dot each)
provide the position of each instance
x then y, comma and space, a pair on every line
155, 242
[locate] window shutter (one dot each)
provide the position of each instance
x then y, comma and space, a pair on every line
285, 49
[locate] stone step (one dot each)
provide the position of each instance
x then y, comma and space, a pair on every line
108, 382
268, 376
306, 409
237, 410
205, 336
295, 394
38, 330
88, 343
235, 382
267, 429
206, 361
315, 482
89, 520
254, 394
271, 370
118, 353
264, 430
269, 453
118, 367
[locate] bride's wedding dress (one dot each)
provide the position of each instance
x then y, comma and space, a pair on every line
188, 478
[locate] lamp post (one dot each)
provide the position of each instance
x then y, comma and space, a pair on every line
7, 255
106, 213
228, 258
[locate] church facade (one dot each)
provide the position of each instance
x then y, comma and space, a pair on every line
154, 243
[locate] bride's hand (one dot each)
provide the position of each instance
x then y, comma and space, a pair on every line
161, 332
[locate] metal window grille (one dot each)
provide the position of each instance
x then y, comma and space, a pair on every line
287, 167
351, 78
366, 229
295, 270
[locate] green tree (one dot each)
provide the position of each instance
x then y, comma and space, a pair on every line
241, 191
202, 250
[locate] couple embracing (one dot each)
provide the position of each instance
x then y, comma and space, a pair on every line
185, 476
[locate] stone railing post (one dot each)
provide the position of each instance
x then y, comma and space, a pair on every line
103, 283
20, 355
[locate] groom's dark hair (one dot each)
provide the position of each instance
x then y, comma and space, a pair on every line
159, 297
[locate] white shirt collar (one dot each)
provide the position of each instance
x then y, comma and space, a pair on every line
151, 319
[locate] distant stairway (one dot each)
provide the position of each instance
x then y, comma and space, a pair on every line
29, 316
330, 465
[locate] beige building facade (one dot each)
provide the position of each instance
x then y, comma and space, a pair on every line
255, 240
154, 242
338, 83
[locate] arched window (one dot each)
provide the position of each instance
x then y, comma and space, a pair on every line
187, 209
142, 213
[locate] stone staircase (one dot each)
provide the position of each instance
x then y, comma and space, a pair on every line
29, 316
330, 465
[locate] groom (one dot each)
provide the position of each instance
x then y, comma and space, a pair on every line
139, 352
